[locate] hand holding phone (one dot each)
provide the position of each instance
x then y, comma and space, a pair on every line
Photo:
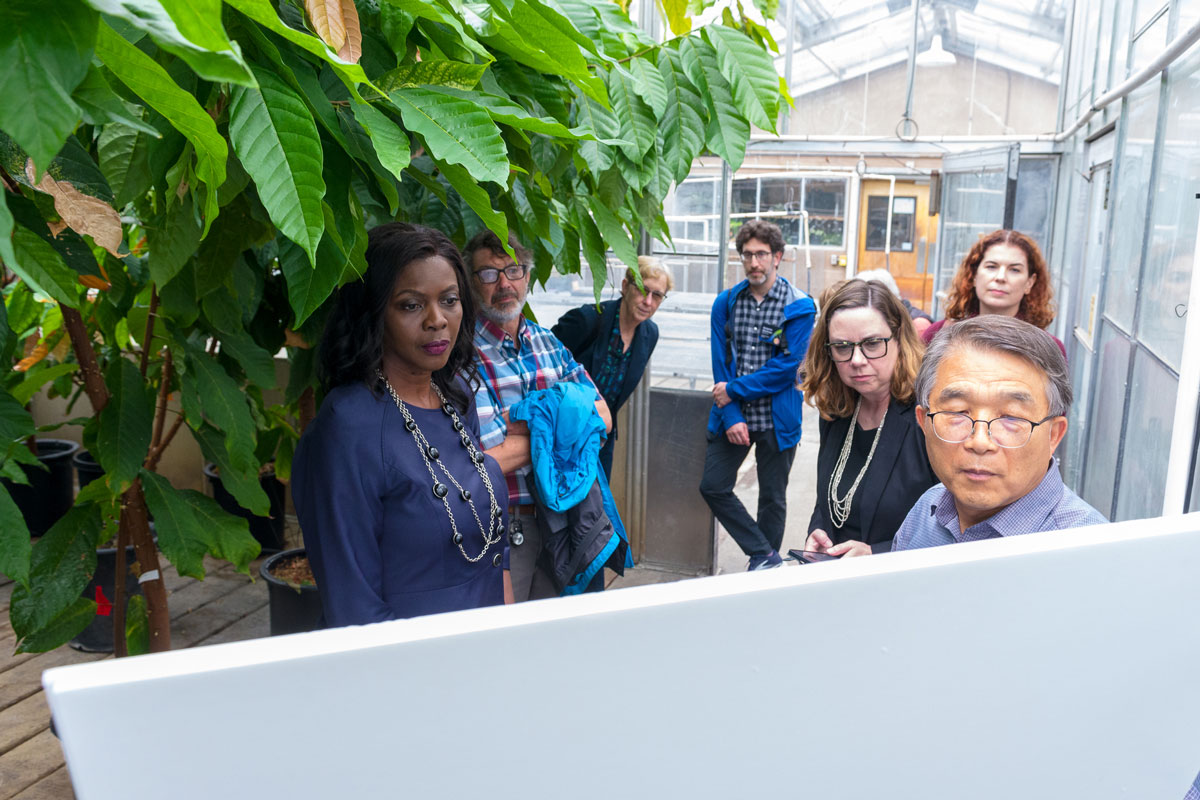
811, 556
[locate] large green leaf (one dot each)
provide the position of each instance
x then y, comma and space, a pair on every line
683, 126
443, 16
15, 545
43, 268
64, 627
455, 130
223, 403
137, 626
506, 112
191, 30
648, 83
750, 73
614, 232
388, 139
242, 484
276, 140
7, 255
173, 238
101, 105
590, 114
477, 198
676, 12
123, 159
439, 72
45, 49
639, 128
190, 525
594, 249
60, 565
256, 361
728, 131
123, 434
38, 376
151, 82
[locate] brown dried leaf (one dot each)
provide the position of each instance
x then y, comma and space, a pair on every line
327, 20
351, 50
56, 227
84, 214
39, 352
293, 339
95, 282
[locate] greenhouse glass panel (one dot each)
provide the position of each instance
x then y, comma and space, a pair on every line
1147, 439
1104, 431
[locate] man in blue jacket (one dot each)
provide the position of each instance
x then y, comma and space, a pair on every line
760, 331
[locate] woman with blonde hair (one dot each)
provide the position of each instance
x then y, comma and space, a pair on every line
859, 372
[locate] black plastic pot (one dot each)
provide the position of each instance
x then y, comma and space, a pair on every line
87, 469
267, 530
97, 637
50, 492
294, 609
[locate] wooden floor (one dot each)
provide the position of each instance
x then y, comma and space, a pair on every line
224, 607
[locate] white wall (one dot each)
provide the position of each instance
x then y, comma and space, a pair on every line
1058, 665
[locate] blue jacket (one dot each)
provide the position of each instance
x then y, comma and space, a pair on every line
568, 485
776, 378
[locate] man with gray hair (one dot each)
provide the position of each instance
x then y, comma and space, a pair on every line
992, 398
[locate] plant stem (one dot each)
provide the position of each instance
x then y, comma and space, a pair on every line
120, 648
85, 354
164, 394
156, 453
149, 335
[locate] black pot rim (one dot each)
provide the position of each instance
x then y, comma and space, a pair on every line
84, 459
63, 448
264, 569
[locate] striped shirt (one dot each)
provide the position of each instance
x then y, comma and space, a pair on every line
509, 370
1051, 506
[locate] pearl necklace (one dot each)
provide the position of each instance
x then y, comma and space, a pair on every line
431, 456
839, 509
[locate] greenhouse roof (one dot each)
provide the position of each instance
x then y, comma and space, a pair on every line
836, 40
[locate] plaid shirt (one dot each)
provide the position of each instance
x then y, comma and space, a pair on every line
1194, 792
753, 326
509, 370
611, 375
1051, 506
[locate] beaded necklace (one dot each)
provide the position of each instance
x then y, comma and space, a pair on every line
839, 509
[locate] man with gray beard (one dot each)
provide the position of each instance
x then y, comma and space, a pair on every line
515, 357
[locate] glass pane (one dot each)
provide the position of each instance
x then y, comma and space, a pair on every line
1104, 420
1173, 222
1120, 52
1035, 200
1145, 10
903, 223
693, 214
1147, 439
1093, 256
1070, 452
972, 206
1129, 207
1194, 500
825, 201
745, 196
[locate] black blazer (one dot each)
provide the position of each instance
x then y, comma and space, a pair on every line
899, 473
585, 332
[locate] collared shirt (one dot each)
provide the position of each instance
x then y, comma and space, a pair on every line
1051, 506
754, 326
510, 369
1194, 792
611, 374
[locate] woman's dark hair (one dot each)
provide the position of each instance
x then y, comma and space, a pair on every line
352, 345
1037, 307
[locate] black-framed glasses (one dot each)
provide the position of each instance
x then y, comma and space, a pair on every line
874, 347
955, 427
514, 272
761, 256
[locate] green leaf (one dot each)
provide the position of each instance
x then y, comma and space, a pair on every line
37, 377
223, 403
7, 254
61, 629
60, 565
101, 105
477, 198
506, 112
45, 49
682, 125
241, 483
601, 121
456, 74
388, 139
191, 30
190, 525
436, 13
308, 288
676, 12
257, 362
639, 128
123, 160
455, 130
137, 626
728, 131
173, 238
614, 232
276, 140
648, 83
750, 72
123, 436
151, 82
593, 249
15, 545
43, 268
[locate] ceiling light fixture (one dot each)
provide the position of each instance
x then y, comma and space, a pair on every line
936, 55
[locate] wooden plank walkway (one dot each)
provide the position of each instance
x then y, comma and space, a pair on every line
224, 607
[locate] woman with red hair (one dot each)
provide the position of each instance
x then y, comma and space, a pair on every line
1004, 273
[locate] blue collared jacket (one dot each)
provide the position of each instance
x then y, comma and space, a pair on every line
777, 378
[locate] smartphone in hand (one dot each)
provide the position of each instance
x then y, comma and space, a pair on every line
811, 556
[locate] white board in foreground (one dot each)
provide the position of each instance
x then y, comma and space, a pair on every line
1058, 665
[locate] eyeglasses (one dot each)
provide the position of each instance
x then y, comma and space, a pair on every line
655, 295
514, 272
761, 256
955, 427
875, 347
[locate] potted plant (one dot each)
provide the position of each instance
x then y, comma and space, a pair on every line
295, 601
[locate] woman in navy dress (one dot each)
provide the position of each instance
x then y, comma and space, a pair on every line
401, 511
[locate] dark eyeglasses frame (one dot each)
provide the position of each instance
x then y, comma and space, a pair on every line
860, 345
988, 422
514, 272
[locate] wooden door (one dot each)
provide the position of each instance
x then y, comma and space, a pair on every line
913, 235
